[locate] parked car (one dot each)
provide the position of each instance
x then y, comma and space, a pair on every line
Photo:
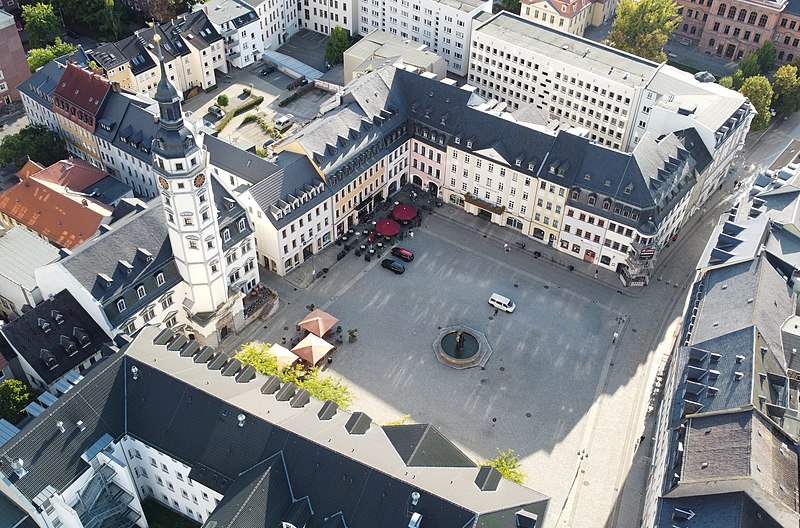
502, 303
393, 266
284, 122
217, 111
207, 123
269, 68
268, 143
403, 253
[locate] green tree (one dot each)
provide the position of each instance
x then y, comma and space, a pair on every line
727, 82
738, 79
222, 100
41, 24
163, 10
513, 6
338, 43
642, 27
14, 397
35, 142
786, 90
750, 67
321, 387
766, 57
507, 463
38, 57
113, 12
759, 91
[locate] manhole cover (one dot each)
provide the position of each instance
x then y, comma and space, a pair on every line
633, 330
438, 327
546, 287
285, 327
295, 289
491, 317
516, 285
483, 380
414, 333
484, 236
528, 415
502, 369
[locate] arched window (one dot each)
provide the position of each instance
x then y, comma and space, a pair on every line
762, 22
790, 57
711, 43
732, 12
780, 55
694, 29
721, 10
742, 15
686, 27
752, 18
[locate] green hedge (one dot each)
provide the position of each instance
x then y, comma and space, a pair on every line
211, 88
242, 108
247, 105
289, 99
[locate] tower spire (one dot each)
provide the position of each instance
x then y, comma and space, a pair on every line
173, 139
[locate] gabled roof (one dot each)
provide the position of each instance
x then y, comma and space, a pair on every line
73, 173
61, 327
64, 217
423, 445
727, 510
356, 476
243, 164
83, 89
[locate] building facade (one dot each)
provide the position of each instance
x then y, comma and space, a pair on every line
443, 26
13, 65
323, 16
240, 27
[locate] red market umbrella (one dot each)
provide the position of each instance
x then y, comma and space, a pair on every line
387, 227
404, 212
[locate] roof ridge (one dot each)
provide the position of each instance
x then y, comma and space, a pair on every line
419, 442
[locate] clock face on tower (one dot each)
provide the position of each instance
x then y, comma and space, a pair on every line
163, 181
199, 180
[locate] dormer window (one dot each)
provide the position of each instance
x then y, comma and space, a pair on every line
575, 194
82, 337
44, 325
242, 224
159, 279
469, 143
226, 235
518, 162
58, 317
121, 305
531, 167
141, 292
587, 176
458, 140
628, 189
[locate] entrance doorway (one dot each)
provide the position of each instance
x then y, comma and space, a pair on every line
433, 188
486, 215
729, 51
538, 233
308, 251
417, 180
392, 188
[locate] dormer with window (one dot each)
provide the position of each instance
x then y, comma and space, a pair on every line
44, 325
70, 346
81, 336
48, 358
57, 316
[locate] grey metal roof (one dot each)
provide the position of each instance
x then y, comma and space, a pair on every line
12, 516
21, 252
628, 69
108, 190
29, 339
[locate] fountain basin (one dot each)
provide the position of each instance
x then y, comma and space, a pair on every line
474, 349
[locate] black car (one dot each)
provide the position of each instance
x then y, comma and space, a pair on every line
393, 265
269, 68
403, 253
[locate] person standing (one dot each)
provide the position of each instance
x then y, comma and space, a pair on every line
505, 247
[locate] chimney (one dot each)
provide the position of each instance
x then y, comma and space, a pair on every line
60, 426
81, 425
19, 467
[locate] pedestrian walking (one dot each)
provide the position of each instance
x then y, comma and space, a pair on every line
496, 311
595, 273
505, 247
614, 339
411, 233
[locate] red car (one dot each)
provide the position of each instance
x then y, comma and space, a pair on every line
403, 253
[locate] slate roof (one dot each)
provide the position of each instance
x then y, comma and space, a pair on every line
12, 516
28, 337
424, 445
243, 503
243, 164
41, 85
21, 252
146, 230
359, 476
126, 118
727, 510
138, 49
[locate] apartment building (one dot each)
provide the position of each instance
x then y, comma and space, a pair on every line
280, 19
444, 26
240, 27
324, 15
611, 97
191, 46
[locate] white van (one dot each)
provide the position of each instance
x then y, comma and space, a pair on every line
284, 122
502, 303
